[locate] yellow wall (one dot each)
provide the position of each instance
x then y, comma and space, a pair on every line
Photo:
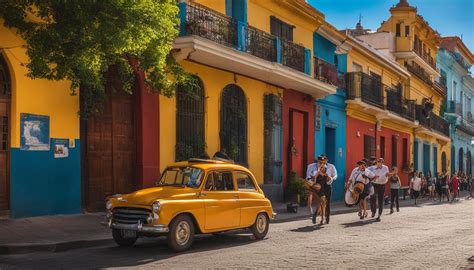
37, 96
419, 90
214, 81
217, 5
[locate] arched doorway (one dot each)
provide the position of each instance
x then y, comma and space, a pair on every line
468, 162
233, 128
5, 98
190, 141
443, 162
461, 160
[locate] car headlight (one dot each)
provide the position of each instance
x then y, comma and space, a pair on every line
156, 207
108, 205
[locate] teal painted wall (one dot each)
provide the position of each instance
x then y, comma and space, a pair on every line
44, 185
323, 48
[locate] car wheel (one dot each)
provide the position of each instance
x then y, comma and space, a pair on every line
260, 227
181, 234
119, 238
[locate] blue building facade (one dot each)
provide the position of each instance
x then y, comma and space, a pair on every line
455, 61
330, 114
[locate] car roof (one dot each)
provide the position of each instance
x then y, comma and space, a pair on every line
207, 164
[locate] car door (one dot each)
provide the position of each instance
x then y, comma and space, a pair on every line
250, 200
221, 201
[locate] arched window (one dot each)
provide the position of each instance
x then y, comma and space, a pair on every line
5, 81
461, 160
443, 162
468, 162
233, 129
190, 141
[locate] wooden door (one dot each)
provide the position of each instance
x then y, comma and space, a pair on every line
298, 142
4, 155
110, 150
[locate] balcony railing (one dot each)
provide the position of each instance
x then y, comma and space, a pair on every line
261, 44
202, 21
420, 73
432, 121
454, 107
325, 71
440, 88
424, 55
292, 55
399, 105
369, 89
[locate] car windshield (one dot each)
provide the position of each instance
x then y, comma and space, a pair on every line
182, 176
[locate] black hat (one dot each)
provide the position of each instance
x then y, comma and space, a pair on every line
361, 162
372, 158
380, 160
322, 157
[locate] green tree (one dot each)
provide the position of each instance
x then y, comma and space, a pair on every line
80, 40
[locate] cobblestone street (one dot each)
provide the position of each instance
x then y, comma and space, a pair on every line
431, 235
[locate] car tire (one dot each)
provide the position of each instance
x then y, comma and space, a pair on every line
260, 227
120, 240
181, 234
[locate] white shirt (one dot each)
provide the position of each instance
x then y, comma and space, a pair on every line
381, 172
330, 171
357, 176
416, 183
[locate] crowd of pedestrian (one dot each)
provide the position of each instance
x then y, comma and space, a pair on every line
440, 187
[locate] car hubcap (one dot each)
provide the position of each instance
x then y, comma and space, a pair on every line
183, 232
261, 223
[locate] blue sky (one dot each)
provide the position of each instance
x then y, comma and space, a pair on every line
448, 17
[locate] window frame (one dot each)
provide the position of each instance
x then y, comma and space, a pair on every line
251, 178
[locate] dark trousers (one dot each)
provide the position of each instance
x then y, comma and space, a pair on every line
377, 198
328, 192
393, 198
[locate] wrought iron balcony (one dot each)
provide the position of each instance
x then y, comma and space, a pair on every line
432, 121
369, 89
261, 44
424, 55
204, 22
207, 23
454, 107
325, 71
292, 55
399, 105
420, 73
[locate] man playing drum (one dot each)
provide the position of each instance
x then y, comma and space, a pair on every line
359, 188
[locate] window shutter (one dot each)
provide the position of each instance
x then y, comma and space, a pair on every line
394, 150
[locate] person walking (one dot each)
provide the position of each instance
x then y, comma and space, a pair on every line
416, 186
381, 173
395, 185
444, 186
455, 186
312, 170
439, 185
471, 184
361, 175
430, 185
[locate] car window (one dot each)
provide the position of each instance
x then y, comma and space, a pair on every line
187, 176
244, 182
219, 181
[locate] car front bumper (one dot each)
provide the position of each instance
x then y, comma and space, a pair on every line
141, 228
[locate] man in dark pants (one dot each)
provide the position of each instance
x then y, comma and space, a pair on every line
381, 177
331, 172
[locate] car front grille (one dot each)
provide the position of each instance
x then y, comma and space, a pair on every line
129, 215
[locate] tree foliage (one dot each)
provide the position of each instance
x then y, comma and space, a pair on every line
80, 40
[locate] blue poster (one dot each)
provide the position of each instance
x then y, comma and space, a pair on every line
34, 132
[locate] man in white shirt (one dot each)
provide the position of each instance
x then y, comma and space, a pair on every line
313, 171
361, 174
382, 173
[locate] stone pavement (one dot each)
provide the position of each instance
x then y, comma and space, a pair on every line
60, 233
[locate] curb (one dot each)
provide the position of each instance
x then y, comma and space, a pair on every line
52, 247
307, 216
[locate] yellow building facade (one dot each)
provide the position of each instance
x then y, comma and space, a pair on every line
39, 117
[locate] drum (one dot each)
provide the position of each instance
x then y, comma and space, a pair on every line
352, 197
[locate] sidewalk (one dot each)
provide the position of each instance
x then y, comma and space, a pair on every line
61, 233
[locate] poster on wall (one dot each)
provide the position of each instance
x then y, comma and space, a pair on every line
34, 132
61, 148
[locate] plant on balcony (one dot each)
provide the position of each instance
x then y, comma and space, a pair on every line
79, 41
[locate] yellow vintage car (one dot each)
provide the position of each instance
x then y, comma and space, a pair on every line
193, 197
